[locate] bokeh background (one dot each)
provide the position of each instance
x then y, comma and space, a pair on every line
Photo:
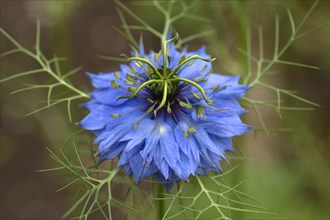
288, 171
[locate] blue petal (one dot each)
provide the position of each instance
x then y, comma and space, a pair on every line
97, 119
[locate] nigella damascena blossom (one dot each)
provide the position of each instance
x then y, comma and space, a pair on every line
170, 117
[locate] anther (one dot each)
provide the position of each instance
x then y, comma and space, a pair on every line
133, 69
169, 110
185, 105
130, 76
115, 115
190, 63
203, 68
200, 111
216, 87
114, 84
116, 75
192, 130
139, 64
130, 83
183, 57
195, 95
200, 79
131, 89
151, 108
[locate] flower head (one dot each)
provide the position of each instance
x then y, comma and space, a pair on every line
165, 114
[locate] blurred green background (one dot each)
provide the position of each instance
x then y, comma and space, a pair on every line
288, 171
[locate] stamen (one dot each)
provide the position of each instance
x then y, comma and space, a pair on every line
130, 83
169, 110
183, 57
203, 68
216, 87
177, 122
191, 63
195, 95
192, 130
116, 75
200, 111
115, 115
151, 108
135, 126
185, 105
131, 89
133, 69
132, 77
200, 79
114, 84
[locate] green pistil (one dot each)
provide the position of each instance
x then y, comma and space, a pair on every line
163, 99
140, 88
165, 54
200, 89
186, 61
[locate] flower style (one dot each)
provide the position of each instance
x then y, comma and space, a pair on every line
165, 114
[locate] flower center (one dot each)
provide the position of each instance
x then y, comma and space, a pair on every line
164, 83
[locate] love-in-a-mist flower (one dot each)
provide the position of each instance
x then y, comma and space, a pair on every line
165, 114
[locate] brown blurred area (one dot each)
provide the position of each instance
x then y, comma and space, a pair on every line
80, 31
290, 171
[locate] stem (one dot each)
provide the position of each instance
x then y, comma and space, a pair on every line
161, 203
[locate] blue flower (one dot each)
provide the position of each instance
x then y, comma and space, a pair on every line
170, 117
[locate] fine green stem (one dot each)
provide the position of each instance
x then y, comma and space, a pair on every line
161, 202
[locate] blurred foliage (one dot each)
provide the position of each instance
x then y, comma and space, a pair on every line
289, 171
